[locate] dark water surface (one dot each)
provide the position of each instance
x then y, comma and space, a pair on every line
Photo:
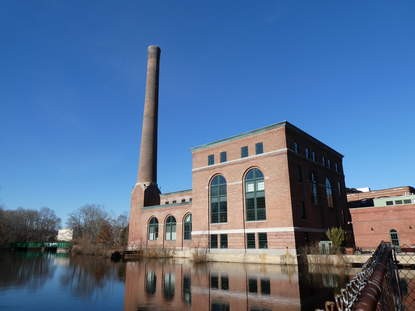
42, 281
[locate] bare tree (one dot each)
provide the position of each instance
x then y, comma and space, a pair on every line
92, 223
27, 225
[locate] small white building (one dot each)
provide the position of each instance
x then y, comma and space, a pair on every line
65, 235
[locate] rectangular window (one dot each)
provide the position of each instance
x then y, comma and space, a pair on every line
211, 159
398, 202
260, 204
253, 285
167, 202
259, 148
174, 201
214, 281
407, 201
295, 147
300, 174
303, 211
244, 151
223, 156
213, 241
219, 306
307, 153
262, 240
183, 200
389, 202
313, 156
336, 167
223, 241
265, 287
224, 282
328, 163
250, 240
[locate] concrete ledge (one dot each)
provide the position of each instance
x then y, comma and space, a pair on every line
232, 255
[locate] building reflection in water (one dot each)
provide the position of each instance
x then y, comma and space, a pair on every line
181, 285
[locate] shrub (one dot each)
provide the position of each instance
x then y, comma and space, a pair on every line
336, 236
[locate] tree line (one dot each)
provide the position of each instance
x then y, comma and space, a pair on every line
90, 223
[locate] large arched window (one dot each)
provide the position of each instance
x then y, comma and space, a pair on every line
187, 227
218, 200
169, 285
153, 229
329, 193
151, 282
394, 237
255, 195
314, 193
170, 228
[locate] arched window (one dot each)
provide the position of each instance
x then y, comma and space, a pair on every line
187, 227
394, 237
255, 195
151, 282
153, 229
169, 285
314, 193
329, 193
218, 200
171, 228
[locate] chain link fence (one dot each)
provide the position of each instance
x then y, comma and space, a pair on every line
406, 271
386, 282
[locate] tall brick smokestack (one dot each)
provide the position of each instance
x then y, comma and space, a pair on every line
147, 172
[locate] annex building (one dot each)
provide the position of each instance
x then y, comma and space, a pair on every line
269, 191
383, 215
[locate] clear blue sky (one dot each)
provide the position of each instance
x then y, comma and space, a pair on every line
73, 74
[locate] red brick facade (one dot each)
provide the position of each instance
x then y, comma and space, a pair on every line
293, 218
373, 224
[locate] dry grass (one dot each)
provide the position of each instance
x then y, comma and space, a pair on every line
200, 255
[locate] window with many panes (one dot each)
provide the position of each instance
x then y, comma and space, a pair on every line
218, 200
250, 240
259, 148
394, 237
223, 241
169, 285
187, 289
211, 159
296, 148
151, 282
153, 229
170, 228
223, 156
329, 193
262, 240
244, 151
314, 192
255, 195
213, 241
187, 227
265, 287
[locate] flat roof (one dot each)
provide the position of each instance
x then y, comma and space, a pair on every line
262, 130
174, 192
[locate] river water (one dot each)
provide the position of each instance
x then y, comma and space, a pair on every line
46, 281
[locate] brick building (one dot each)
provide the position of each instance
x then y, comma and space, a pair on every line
272, 190
383, 215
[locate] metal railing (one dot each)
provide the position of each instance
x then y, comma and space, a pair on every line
376, 287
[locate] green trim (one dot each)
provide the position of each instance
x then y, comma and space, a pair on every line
166, 205
246, 134
180, 191
262, 130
